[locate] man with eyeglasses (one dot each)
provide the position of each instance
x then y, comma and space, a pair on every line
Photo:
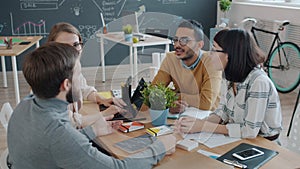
188, 67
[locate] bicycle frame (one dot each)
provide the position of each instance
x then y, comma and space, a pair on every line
276, 40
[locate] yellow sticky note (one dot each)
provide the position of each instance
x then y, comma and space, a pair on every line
106, 94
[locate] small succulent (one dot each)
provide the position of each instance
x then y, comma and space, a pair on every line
127, 29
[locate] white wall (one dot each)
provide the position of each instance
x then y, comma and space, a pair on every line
240, 10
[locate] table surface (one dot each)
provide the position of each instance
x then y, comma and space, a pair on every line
16, 48
149, 39
185, 159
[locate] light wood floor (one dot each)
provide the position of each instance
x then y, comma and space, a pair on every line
115, 75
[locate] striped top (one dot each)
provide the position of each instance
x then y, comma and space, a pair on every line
254, 110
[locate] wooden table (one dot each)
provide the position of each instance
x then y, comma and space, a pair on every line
191, 160
16, 50
118, 37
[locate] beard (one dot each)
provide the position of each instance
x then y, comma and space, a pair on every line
73, 95
189, 53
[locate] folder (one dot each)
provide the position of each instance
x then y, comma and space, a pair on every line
253, 163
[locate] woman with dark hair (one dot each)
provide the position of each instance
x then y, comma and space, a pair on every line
249, 104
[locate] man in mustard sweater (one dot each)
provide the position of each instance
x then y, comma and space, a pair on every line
190, 70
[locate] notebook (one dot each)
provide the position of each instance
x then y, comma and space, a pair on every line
253, 163
131, 126
159, 130
135, 144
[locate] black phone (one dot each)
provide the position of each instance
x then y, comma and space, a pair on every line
24, 43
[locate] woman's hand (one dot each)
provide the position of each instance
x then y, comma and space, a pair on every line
188, 125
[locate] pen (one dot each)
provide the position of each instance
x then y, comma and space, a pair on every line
234, 163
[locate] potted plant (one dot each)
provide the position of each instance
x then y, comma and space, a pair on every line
225, 7
128, 32
159, 98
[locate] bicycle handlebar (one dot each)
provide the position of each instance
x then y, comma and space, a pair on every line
253, 21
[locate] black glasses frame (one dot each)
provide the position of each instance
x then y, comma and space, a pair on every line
183, 41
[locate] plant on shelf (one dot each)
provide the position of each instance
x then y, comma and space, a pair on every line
127, 29
159, 97
127, 32
225, 6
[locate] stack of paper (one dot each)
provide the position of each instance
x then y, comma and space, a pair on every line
211, 140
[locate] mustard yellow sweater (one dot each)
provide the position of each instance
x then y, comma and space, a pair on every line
199, 87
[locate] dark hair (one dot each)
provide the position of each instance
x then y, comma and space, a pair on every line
48, 66
196, 26
62, 27
243, 54
219, 37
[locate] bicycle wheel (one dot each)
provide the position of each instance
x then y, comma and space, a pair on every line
284, 67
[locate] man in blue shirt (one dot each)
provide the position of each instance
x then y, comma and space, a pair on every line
40, 134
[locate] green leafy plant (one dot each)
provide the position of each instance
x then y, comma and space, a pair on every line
159, 97
225, 5
127, 29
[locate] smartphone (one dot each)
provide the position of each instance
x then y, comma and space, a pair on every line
248, 154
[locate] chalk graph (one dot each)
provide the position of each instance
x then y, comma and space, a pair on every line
29, 28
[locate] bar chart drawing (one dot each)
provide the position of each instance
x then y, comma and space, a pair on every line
29, 28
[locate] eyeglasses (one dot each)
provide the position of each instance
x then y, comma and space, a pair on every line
78, 45
183, 41
215, 50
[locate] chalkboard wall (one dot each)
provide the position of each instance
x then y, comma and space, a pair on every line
36, 17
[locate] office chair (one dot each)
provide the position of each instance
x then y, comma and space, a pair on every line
6, 112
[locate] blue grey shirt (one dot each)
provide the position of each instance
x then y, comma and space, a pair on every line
40, 135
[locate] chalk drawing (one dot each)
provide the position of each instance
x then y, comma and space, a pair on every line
174, 2
111, 9
87, 31
40, 4
29, 28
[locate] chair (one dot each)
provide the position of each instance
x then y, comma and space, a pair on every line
6, 112
3, 164
294, 135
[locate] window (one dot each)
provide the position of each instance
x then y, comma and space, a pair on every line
268, 1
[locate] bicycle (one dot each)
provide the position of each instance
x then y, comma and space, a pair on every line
283, 61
